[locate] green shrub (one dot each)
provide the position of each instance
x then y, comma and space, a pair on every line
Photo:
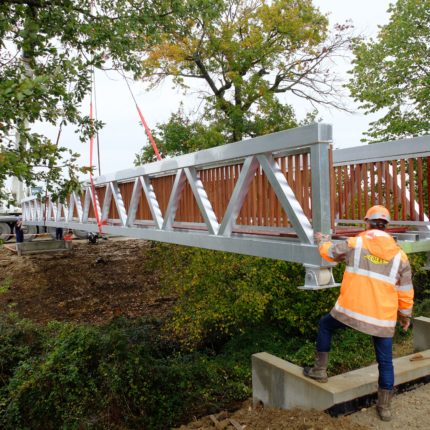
422, 309
125, 375
221, 294
6, 285
420, 276
133, 374
59, 387
19, 341
118, 376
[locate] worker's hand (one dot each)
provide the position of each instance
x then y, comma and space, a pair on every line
321, 238
405, 322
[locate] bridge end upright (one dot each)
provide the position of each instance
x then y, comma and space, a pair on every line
321, 164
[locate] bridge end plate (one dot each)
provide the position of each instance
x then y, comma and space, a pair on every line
318, 278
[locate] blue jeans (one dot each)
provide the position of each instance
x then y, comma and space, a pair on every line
383, 349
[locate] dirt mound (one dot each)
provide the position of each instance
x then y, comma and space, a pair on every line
92, 284
272, 419
410, 411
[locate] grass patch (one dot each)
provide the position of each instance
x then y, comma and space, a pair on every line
6, 285
423, 309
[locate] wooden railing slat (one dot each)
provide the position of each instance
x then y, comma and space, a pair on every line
358, 177
395, 192
365, 176
411, 188
420, 188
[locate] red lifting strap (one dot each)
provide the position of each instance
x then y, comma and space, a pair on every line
93, 188
145, 125
148, 132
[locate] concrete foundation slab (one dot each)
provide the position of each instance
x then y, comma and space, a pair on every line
279, 383
35, 247
421, 333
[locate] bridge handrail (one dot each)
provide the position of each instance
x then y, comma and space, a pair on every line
383, 151
292, 140
389, 173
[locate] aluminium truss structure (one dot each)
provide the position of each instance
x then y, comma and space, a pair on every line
218, 231
263, 197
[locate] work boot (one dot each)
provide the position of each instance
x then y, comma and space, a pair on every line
319, 371
383, 406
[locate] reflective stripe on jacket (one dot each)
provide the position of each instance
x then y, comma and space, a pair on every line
377, 283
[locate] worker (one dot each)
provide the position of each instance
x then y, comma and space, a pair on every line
68, 236
376, 290
58, 233
19, 232
92, 237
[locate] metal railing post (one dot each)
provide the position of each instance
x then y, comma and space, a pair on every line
320, 168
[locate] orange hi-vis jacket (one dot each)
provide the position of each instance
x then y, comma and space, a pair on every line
376, 285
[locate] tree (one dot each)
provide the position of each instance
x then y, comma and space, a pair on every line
181, 134
392, 73
247, 52
48, 49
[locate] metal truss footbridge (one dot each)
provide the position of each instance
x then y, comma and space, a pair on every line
264, 197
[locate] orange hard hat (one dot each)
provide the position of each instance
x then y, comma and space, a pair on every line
378, 212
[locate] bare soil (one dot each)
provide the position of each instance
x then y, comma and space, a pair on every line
248, 418
92, 284
95, 283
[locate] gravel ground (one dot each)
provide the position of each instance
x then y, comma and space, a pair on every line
411, 411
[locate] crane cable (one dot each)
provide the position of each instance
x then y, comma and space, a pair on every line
142, 119
93, 97
93, 188
60, 129
97, 133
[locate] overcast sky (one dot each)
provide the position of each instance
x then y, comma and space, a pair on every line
122, 137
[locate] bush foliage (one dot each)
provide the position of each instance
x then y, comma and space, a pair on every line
221, 295
118, 376
420, 278
147, 374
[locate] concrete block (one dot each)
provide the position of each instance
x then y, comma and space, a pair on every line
421, 333
278, 383
35, 247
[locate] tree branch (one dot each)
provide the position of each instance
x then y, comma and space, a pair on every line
205, 73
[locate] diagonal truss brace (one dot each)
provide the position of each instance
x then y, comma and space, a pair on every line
89, 201
175, 197
287, 198
144, 183
238, 196
202, 200
75, 201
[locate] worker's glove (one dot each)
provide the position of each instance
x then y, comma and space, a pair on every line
404, 322
321, 238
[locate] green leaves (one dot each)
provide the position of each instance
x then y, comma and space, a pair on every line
392, 74
221, 295
181, 135
47, 53
112, 376
246, 53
